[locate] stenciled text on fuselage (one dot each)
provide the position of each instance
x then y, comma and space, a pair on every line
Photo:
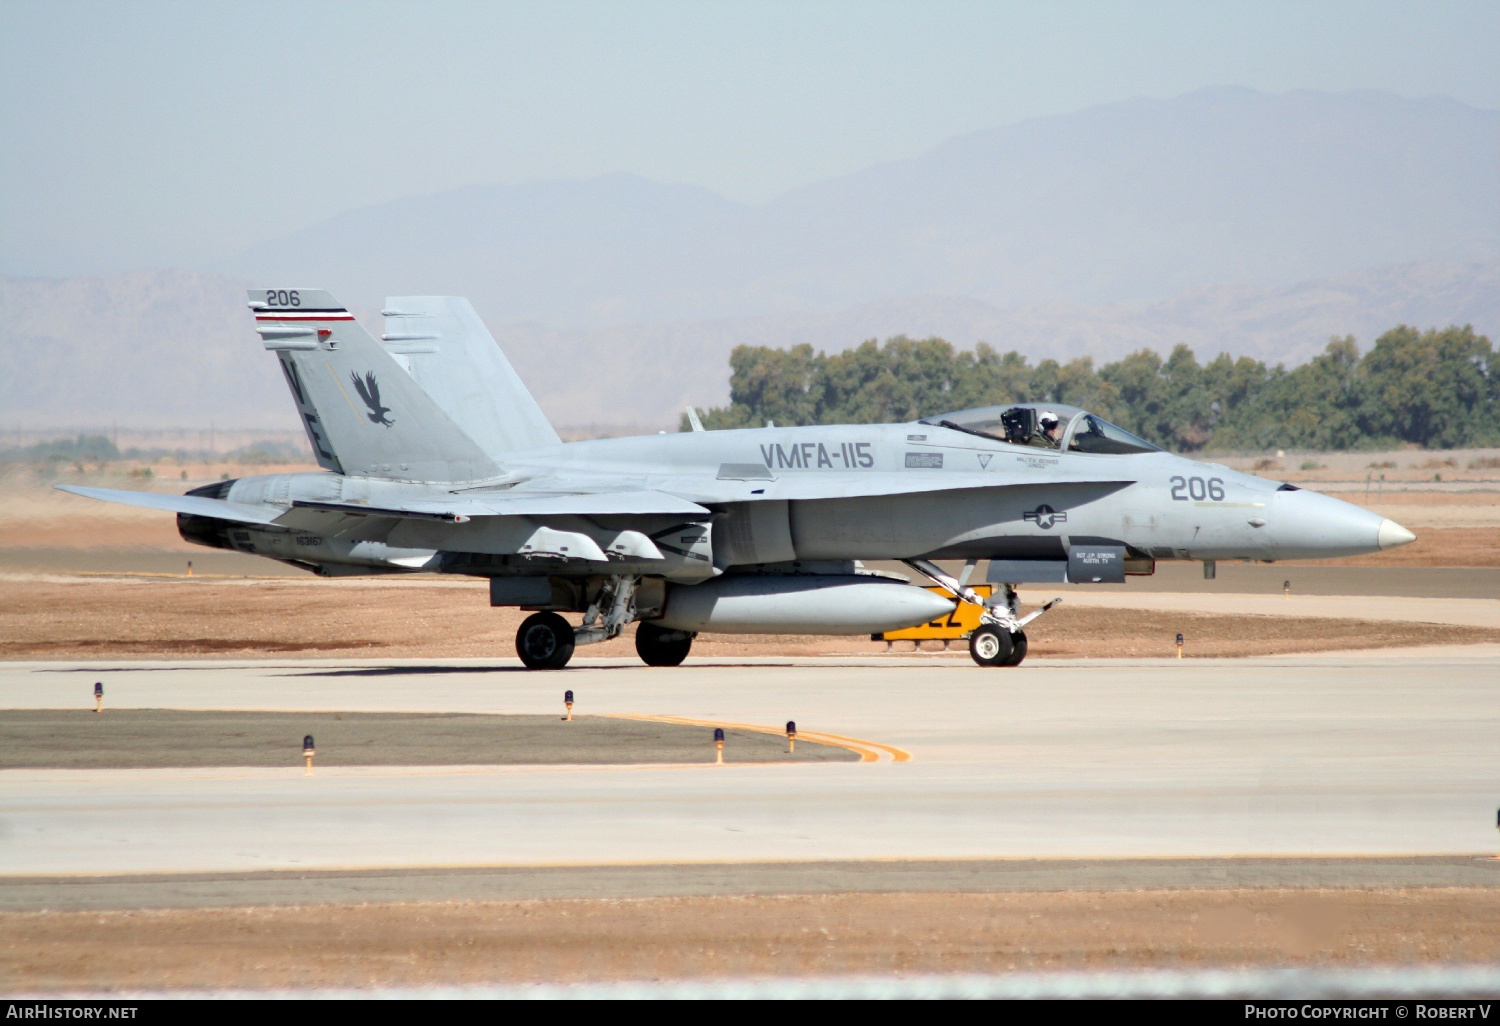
819, 456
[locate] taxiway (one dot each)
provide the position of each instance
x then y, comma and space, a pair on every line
1335, 755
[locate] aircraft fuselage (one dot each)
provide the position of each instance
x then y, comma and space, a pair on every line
769, 492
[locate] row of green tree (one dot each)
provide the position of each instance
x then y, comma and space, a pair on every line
1438, 389
94, 448
99, 449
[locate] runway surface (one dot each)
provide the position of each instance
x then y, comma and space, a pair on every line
1370, 755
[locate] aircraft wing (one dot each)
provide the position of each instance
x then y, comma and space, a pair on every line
460, 508
197, 505
452, 509
590, 503
676, 495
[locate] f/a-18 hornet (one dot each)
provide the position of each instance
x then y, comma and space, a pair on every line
437, 459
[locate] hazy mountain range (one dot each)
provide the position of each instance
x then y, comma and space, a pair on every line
1126, 203
1227, 219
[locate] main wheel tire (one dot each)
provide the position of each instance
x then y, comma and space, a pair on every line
545, 642
1017, 649
990, 646
661, 646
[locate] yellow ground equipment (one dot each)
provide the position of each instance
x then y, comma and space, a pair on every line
956, 626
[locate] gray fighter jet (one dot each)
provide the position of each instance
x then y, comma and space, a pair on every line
437, 459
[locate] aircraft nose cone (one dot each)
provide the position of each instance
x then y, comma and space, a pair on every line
1393, 534
1308, 525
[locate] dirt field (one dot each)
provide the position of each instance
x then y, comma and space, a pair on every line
34, 514
653, 938
1399, 468
198, 617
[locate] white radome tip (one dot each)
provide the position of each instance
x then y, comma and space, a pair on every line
1393, 534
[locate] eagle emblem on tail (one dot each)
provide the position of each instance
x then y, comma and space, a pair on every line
369, 390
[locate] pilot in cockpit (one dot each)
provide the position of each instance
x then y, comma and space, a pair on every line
1050, 435
1045, 426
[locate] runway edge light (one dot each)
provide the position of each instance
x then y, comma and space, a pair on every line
98, 695
791, 735
1179, 646
568, 704
307, 753
718, 746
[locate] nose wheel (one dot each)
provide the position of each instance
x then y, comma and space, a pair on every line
1017, 649
991, 645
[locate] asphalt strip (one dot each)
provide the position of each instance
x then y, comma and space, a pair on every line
531, 883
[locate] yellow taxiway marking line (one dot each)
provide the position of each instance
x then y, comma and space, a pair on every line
868, 751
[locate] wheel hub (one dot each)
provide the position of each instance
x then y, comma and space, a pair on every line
540, 642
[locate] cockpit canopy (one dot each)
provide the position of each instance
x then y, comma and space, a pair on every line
1045, 426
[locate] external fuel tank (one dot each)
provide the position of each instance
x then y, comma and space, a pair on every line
800, 604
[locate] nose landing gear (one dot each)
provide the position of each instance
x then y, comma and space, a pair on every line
994, 645
1000, 638
991, 646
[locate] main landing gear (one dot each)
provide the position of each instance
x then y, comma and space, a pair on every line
546, 641
658, 646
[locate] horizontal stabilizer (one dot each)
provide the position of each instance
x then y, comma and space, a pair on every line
197, 505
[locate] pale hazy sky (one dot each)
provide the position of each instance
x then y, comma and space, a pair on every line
138, 135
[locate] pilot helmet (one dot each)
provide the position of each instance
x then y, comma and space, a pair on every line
1048, 420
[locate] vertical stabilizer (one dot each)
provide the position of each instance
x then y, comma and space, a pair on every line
450, 353
364, 415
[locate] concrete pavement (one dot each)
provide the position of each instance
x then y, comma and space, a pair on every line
1387, 754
